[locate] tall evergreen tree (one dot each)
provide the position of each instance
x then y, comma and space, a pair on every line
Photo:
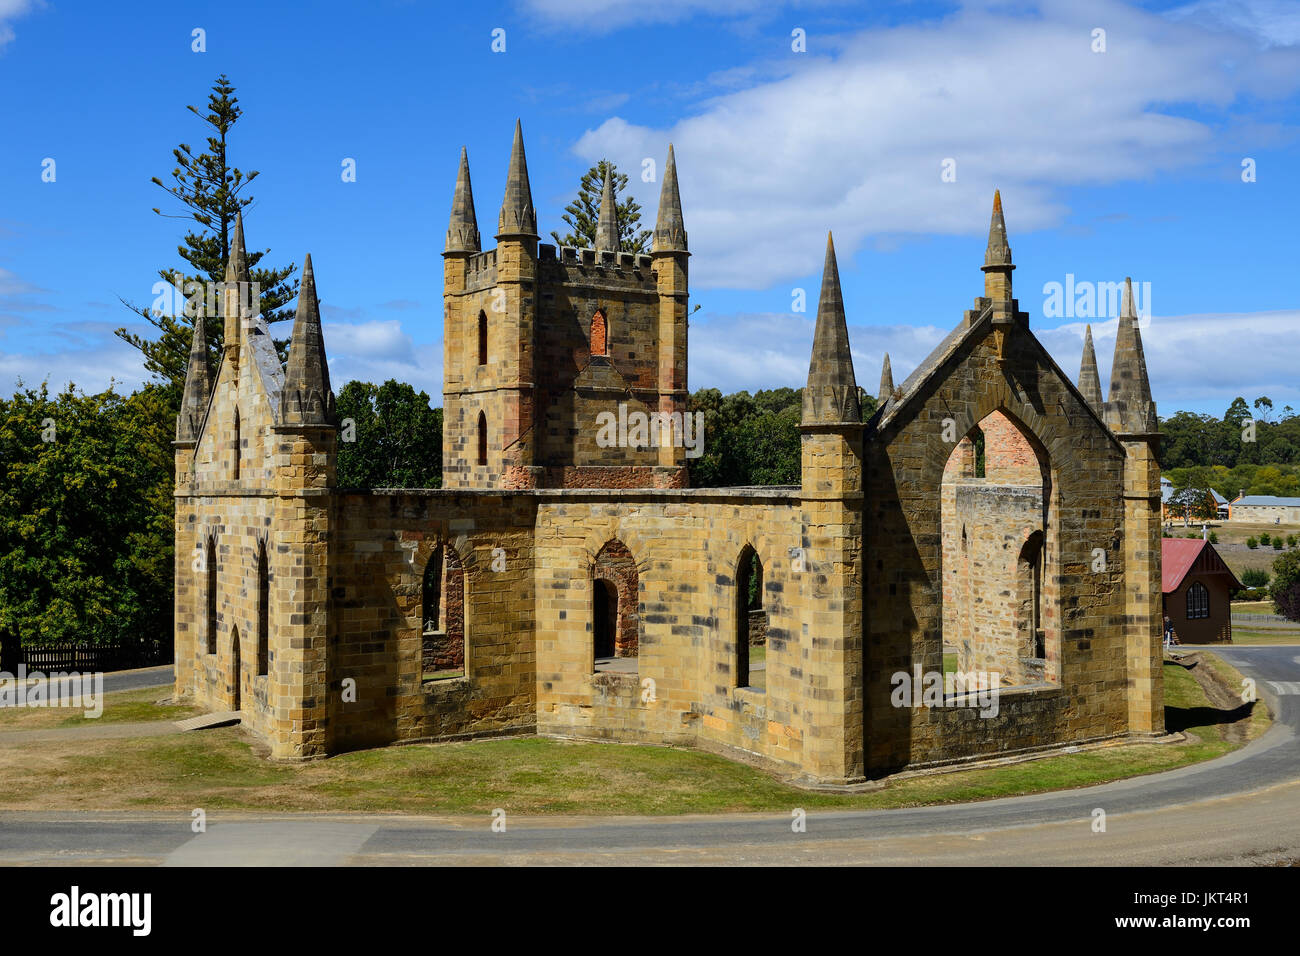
213, 191
582, 213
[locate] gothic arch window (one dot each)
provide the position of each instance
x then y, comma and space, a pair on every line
442, 616
750, 621
1030, 586
599, 333
615, 608
1001, 605
263, 612
482, 337
234, 450
1198, 601
236, 671
482, 438
210, 594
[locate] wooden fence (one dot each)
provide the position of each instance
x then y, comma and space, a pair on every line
83, 658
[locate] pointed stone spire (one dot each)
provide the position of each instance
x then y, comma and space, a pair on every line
886, 381
306, 399
517, 219
1129, 406
831, 396
462, 233
607, 223
997, 257
670, 230
234, 297
1089, 381
198, 386
237, 263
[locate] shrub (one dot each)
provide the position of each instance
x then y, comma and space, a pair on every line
1265, 539
1277, 543
1250, 594
1214, 537
1252, 543
1290, 541
1255, 578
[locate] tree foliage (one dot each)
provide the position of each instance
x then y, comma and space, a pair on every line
582, 214
211, 190
398, 437
752, 439
86, 537
1285, 589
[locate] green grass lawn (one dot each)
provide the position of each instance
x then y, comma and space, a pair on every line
219, 769
1272, 635
127, 706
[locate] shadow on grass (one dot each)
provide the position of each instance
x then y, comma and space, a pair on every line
1181, 718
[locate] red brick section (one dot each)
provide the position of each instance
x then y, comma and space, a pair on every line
598, 334
614, 563
1008, 455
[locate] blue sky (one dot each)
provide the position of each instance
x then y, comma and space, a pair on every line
1114, 163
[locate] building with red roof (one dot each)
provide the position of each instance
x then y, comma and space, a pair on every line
1197, 587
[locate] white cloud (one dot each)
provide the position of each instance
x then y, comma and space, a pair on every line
91, 369
1197, 362
855, 142
1271, 22
602, 16
12, 10
379, 340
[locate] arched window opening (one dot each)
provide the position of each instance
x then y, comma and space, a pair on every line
750, 623
442, 616
1029, 617
599, 334
235, 450
482, 438
1000, 599
1198, 601
236, 674
263, 612
211, 594
615, 610
482, 338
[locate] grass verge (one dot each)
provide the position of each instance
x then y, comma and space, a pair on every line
219, 769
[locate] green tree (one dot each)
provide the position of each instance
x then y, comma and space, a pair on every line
211, 190
86, 537
397, 437
1285, 589
582, 214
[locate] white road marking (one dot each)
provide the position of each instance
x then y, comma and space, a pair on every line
1281, 687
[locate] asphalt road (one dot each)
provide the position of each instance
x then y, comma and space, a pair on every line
161, 676
1243, 808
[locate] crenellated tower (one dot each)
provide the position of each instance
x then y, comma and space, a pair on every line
545, 348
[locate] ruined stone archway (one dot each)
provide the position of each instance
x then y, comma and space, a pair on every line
998, 567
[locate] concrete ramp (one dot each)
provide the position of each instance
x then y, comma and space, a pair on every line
204, 721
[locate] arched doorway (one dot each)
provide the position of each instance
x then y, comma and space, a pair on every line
604, 620
615, 609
